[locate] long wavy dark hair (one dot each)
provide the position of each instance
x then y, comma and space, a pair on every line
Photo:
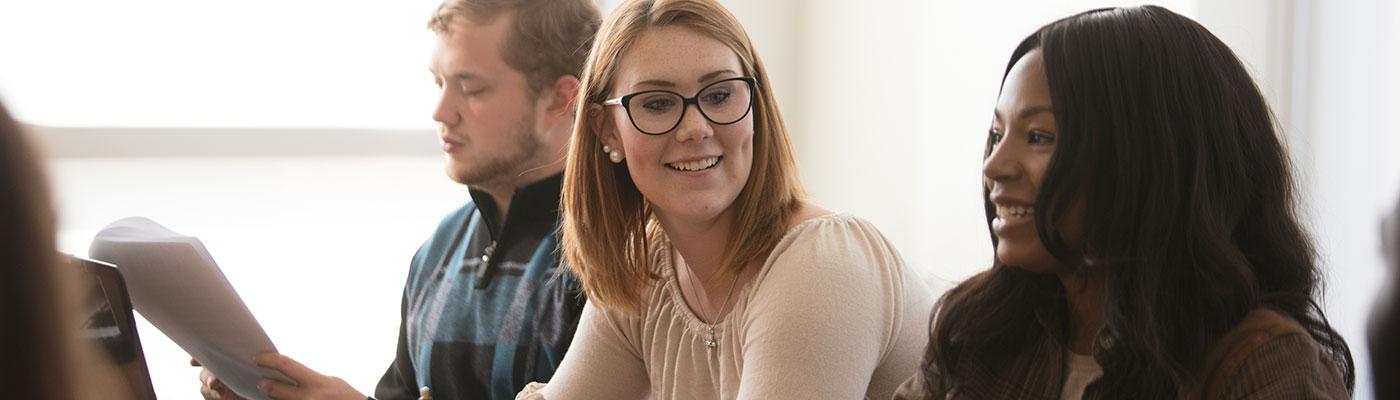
31, 301
1188, 211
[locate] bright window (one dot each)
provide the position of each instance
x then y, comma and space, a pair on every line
254, 63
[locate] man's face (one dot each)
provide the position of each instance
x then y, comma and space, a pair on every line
485, 109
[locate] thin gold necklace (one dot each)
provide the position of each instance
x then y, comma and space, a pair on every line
711, 342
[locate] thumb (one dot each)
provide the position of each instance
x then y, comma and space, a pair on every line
287, 366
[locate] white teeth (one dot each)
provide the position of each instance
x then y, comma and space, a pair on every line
695, 165
1006, 212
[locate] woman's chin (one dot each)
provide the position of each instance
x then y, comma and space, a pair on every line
694, 206
1036, 259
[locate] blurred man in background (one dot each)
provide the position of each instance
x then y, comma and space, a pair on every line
484, 311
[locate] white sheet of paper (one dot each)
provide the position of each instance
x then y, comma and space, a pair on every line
175, 284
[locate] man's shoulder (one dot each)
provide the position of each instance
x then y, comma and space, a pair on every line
450, 229
453, 222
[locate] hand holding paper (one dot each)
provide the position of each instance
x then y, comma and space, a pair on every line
177, 286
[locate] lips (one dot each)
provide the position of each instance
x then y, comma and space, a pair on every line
448, 144
1014, 215
695, 164
1014, 212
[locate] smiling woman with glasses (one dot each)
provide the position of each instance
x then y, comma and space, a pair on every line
707, 273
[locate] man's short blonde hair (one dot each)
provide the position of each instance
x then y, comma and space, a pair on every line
547, 38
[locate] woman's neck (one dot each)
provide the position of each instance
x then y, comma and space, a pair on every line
699, 241
1085, 295
697, 249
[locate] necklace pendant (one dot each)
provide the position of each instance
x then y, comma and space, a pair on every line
711, 342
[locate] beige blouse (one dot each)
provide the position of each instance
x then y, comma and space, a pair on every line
1083, 370
834, 313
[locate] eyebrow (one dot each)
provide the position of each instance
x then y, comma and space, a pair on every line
1026, 112
461, 76
466, 76
703, 78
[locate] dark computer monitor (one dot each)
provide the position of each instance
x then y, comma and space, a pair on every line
109, 322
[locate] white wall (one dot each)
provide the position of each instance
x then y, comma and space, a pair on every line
250, 63
1351, 174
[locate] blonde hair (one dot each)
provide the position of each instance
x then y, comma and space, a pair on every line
609, 230
547, 39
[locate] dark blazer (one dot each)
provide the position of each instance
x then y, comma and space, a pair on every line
1266, 356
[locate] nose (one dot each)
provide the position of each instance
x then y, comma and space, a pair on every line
1001, 164
693, 125
446, 111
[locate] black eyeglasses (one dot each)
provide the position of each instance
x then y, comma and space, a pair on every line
658, 112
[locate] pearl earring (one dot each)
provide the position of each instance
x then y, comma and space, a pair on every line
606, 149
615, 156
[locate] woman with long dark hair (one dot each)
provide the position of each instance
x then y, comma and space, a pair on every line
1142, 211
43, 356
1383, 329
32, 301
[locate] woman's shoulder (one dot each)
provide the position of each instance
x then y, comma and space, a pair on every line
840, 267
807, 212
1267, 345
1259, 327
812, 224
1262, 324
825, 245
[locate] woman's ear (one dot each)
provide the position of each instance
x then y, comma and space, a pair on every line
601, 124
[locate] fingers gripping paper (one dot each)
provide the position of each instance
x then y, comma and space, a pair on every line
176, 285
